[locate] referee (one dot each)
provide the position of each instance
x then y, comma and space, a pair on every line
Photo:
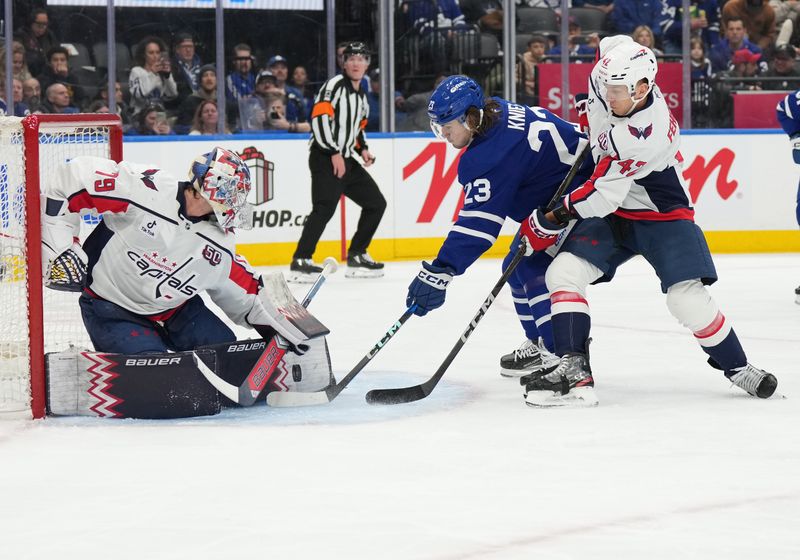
337, 126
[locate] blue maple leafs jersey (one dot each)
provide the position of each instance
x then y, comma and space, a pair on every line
789, 113
509, 172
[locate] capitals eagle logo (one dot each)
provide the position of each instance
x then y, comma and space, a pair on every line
642, 133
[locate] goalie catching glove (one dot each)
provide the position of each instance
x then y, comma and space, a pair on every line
67, 271
427, 290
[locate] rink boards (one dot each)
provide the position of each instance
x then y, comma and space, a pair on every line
743, 186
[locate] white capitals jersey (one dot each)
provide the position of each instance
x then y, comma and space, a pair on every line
638, 173
146, 255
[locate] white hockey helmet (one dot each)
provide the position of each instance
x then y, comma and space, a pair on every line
223, 179
626, 65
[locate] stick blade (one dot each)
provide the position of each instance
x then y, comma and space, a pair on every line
396, 396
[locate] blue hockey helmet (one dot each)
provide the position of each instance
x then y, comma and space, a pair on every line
451, 99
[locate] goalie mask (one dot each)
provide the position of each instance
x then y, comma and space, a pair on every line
223, 179
450, 101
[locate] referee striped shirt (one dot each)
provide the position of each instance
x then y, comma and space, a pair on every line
339, 117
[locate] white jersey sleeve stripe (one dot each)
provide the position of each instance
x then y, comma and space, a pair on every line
483, 215
475, 233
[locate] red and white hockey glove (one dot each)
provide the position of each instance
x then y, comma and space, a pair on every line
540, 232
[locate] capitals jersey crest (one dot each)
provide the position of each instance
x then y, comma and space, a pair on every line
642, 133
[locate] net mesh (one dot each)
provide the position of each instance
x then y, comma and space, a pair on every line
62, 326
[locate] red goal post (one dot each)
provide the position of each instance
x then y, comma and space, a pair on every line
36, 320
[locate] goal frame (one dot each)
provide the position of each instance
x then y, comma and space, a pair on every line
32, 126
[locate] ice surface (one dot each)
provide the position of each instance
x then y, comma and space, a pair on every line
674, 463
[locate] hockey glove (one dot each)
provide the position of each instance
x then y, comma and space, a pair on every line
427, 290
582, 107
539, 232
796, 148
67, 272
267, 333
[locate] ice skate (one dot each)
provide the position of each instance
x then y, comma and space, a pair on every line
530, 358
569, 384
363, 266
755, 381
303, 271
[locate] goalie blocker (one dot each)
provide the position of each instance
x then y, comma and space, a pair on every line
157, 386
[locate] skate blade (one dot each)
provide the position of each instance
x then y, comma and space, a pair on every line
301, 278
537, 371
362, 273
579, 397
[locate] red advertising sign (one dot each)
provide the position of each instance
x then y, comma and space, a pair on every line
756, 109
669, 79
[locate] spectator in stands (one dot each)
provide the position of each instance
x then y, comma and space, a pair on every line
374, 102
722, 53
627, 15
578, 46
37, 39
206, 119
207, 90
186, 65
758, 18
151, 121
783, 66
527, 71
57, 70
486, 14
151, 80
438, 23
704, 18
416, 108
786, 14
284, 118
19, 66
19, 107
123, 110
98, 106
644, 36
702, 90
301, 83
295, 104
241, 83
32, 94
58, 100
605, 6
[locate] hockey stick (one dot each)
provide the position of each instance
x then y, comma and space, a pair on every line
417, 392
296, 398
255, 382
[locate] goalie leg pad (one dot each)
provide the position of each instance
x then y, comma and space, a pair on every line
149, 386
309, 372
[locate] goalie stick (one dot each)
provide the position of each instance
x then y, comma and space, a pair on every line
252, 386
417, 392
296, 398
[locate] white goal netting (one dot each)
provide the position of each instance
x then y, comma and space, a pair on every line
48, 145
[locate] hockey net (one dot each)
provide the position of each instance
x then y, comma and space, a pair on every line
34, 319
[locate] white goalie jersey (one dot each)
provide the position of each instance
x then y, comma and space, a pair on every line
147, 255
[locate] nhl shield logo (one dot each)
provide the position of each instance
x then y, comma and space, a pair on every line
261, 174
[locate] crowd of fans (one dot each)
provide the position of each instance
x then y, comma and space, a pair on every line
170, 89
